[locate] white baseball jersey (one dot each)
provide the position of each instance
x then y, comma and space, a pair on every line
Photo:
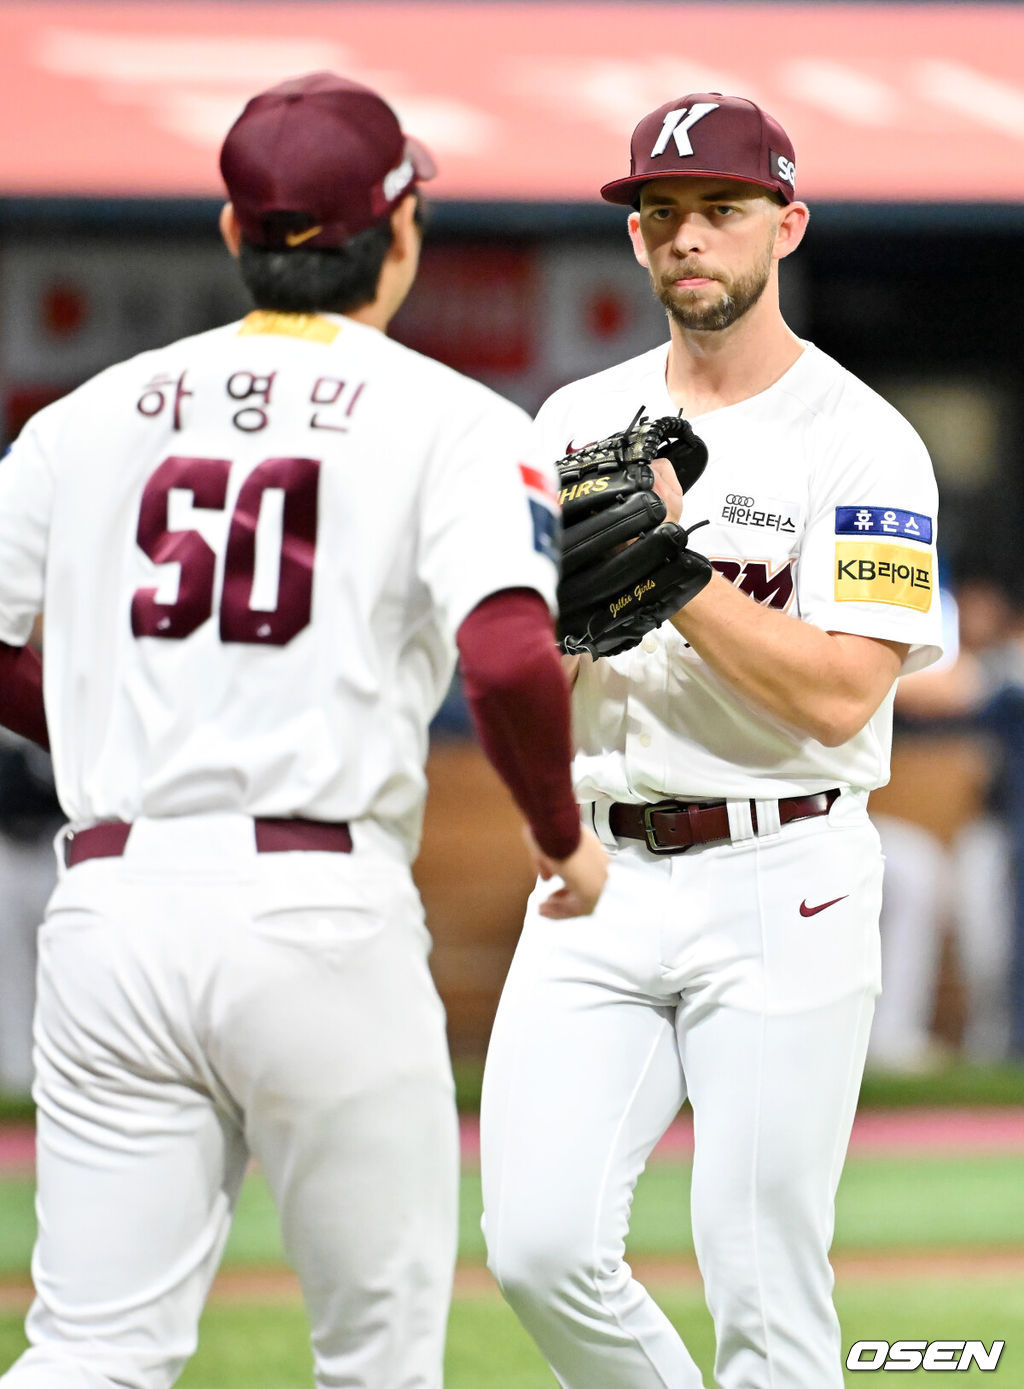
254, 548
822, 502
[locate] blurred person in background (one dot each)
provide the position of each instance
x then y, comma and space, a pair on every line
962, 884
29, 818
999, 608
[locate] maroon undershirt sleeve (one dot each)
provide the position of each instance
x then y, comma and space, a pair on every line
518, 697
21, 693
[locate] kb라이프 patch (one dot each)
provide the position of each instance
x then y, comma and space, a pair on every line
883, 574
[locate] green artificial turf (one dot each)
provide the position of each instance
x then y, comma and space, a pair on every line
17, 1224
883, 1203
266, 1346
956, 1082
886, 1203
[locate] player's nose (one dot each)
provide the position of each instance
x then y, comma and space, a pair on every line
690, 236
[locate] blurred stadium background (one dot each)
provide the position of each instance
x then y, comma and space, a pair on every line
908, 121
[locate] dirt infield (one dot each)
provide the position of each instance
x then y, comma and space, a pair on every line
276, 1285
986, 1129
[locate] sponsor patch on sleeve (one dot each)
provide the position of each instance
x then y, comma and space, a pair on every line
544, 510
883, 520
883, 574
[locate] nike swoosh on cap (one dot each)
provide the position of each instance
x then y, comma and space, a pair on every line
297, 238
805, 910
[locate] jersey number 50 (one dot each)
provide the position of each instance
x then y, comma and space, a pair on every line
207, 480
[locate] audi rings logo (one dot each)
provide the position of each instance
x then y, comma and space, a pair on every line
736, 499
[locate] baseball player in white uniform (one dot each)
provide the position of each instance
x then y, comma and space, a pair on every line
257, 550
726, 761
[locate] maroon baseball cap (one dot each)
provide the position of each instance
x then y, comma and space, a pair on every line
708, 134
315, 160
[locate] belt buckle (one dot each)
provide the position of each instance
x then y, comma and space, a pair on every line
650, 834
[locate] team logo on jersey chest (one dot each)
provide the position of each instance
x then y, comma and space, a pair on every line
770, 585
876, 573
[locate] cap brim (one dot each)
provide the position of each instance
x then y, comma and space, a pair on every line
623, 191
421, 159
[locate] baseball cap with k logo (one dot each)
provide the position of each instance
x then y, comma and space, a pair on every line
706, 135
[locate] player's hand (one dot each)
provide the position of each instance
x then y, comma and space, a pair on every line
571, 669
666, 486
583, 876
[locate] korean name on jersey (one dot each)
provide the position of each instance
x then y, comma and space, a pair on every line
262, 541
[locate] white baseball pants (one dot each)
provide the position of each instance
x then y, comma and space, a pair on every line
200, 1003
696, 977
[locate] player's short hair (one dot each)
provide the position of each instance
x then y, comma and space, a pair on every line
314, 279
311, 279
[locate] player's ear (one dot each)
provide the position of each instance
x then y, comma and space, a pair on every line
405, 229
230, 229
792, 224
639, 250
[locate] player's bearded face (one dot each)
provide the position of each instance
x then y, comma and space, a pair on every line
711, 308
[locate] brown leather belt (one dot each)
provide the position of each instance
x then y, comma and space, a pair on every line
672, 827
108, 840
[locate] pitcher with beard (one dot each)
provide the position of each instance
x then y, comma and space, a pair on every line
726, 762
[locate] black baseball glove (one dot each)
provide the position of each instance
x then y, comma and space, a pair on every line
625, 569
